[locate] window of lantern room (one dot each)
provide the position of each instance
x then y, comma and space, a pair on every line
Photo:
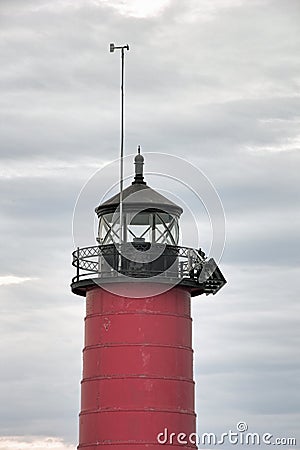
144, 226
159, 227
109, 229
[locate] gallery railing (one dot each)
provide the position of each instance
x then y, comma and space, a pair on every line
143, 260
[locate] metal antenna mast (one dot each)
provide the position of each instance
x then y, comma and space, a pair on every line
112, 48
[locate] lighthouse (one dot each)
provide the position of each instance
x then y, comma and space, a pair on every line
137, 389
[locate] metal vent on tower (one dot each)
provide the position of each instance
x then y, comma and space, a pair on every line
139, 163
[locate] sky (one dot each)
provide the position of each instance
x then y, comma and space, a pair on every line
215, 83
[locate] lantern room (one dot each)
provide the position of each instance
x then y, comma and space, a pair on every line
140, 245
147, 216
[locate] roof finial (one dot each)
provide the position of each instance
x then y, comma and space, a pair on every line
139, 162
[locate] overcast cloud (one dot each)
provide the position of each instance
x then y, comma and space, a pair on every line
215, 82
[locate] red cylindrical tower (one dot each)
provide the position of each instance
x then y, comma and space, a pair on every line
137, 369
137, 389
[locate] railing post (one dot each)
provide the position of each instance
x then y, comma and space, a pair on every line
189, 259
77, 265
180, 269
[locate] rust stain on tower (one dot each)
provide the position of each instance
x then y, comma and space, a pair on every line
138, 357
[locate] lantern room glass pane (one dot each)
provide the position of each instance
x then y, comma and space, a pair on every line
109, 229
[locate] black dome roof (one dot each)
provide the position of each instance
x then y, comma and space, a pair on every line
139, 196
